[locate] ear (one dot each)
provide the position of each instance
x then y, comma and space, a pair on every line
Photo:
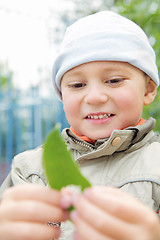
150, 91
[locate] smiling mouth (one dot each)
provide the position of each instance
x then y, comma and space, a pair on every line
99, 116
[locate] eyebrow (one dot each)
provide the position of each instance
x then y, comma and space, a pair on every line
114, 68
75, 74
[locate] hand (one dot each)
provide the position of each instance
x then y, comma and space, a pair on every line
25, 211
105, 213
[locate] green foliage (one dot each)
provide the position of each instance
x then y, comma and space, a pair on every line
3, 81
5, 77
59, 165
153, 111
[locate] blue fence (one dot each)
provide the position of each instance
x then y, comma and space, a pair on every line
25, 121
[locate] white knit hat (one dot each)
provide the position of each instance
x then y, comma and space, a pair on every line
104, 36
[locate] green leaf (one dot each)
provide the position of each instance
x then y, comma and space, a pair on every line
59, 166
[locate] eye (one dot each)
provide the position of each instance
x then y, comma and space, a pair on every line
115, 81
76, 85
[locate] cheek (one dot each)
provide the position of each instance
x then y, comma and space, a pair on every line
70, 107
124, 101
127, 100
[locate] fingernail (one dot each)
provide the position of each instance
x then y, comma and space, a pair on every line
87, 192
74, 199
65, 201
73, 215
58, 232
66, 215
75, 236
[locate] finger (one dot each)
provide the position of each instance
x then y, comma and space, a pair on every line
101, 221
27, 231
66, 198
117, 203
32, 191
84, 231
32, 211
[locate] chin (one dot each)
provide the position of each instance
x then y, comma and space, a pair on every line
102, 136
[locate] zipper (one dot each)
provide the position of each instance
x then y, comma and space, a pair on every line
82, 144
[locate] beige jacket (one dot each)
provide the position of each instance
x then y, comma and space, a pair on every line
129, 159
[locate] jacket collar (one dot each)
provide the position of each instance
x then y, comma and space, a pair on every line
120, 140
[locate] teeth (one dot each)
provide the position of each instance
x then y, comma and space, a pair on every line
101, 116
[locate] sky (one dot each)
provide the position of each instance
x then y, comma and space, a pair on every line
25, 44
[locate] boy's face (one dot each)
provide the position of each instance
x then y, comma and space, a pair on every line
99, 97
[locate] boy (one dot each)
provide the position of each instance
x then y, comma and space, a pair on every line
104, 74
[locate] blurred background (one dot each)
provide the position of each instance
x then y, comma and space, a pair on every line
30, 34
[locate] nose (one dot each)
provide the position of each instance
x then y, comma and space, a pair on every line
96, 95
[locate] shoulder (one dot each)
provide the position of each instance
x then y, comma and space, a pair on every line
33, 157
151, 150
28, 163
142, 164
150, 155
